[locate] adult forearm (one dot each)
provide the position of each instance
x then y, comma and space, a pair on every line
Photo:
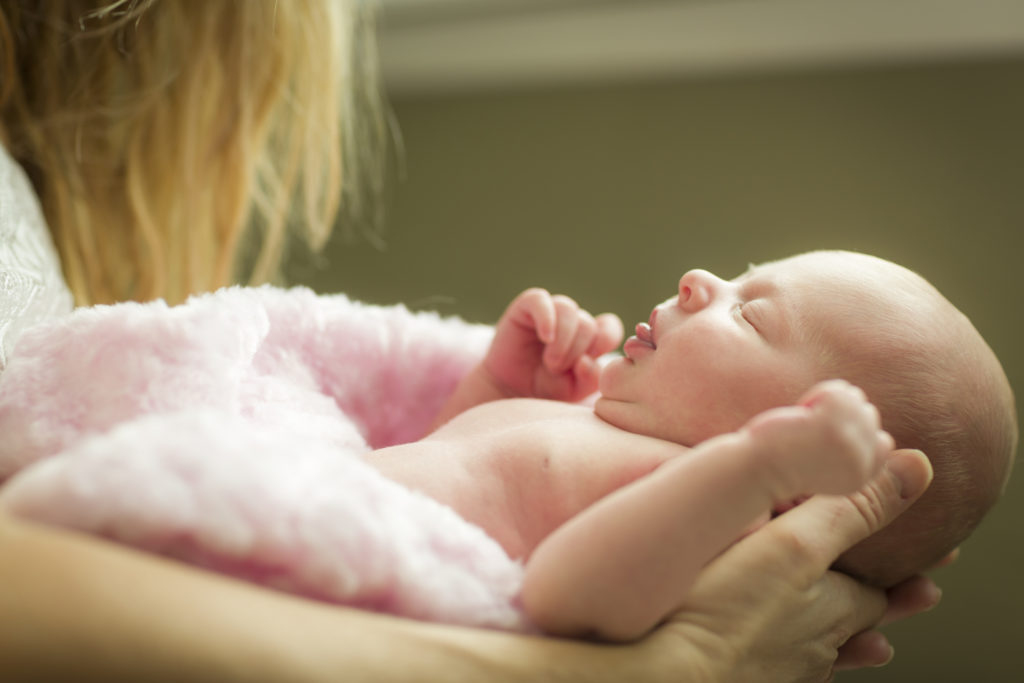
72, 608
76, 609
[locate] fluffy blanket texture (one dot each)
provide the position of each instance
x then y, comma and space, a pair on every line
227, 433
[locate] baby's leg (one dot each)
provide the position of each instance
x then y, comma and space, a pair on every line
830, 442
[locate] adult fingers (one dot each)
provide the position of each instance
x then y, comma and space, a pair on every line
824, 527
869, 648
748, 602
913, 596
949, 559
863, 606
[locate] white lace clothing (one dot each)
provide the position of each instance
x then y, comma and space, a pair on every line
31, 285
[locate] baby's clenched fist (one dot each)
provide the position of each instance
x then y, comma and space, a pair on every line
831, 442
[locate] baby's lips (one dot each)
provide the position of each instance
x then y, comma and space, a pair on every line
643, 333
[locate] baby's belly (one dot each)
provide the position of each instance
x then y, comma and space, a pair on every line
458, 471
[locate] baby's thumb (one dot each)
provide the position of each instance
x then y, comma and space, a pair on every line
609, 334
587, 373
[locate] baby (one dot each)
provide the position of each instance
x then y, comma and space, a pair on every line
722, 410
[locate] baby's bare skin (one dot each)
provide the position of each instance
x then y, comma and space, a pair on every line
615, 526
520, 468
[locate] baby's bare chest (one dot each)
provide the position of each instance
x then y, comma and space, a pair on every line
529, 438
539, 463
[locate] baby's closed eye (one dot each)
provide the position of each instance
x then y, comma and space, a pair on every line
747, 311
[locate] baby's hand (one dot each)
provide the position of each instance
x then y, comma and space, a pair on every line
545, 347
830, 442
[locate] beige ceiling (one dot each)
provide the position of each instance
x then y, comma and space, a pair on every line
446, 45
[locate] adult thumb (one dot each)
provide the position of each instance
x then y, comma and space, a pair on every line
828, 526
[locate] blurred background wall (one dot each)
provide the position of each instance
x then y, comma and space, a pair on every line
600, 151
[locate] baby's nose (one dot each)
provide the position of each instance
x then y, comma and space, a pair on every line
697, 289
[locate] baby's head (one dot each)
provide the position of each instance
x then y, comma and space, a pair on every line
938, 387
719, 352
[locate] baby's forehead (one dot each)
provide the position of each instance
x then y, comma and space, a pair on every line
836, 299
824, 279
849, 268
813, 287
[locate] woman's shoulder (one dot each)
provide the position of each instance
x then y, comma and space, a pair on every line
31, 285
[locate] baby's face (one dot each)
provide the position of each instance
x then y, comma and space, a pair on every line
721, 351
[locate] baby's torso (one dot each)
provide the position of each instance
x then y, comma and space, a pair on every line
520, 468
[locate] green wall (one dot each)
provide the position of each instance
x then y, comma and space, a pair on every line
609, 194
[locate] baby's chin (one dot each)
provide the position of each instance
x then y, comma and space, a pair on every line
611, 411
640, 417
627, 416
612, 366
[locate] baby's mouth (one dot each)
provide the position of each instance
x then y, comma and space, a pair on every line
645, 334
645, 331
643, 341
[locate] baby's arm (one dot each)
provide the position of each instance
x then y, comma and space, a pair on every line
618, 568
544, 346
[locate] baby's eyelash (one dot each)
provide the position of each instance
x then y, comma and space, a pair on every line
739, 310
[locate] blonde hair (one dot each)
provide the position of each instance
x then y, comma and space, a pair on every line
172, 144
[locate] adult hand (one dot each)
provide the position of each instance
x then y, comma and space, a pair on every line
916, 594
769, 609
766, 610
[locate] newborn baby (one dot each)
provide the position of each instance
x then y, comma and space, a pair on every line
724, 408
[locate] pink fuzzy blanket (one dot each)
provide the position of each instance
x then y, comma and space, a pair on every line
227, 433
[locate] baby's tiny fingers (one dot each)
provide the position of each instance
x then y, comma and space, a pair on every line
567, 320
844, 402
586, 373
583, 337
535, 308
608, 336
586, 331
884, 444
824, 394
